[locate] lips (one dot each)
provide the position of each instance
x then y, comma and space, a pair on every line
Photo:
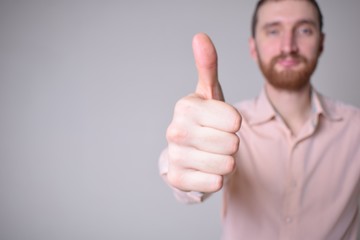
289, 62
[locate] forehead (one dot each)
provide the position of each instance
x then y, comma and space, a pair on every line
287, 12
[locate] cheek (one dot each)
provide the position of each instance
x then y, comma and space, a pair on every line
310, 51
267, 52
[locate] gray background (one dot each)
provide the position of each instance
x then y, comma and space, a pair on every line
86, 93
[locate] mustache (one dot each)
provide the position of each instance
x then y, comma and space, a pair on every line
294, 56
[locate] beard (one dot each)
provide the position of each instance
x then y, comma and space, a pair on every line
291, 80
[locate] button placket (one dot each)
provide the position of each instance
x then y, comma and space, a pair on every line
290, 191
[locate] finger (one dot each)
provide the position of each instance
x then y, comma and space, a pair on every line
206, 63
214, 141
219, 115
191, 180
209, 113
203, 138
191, 158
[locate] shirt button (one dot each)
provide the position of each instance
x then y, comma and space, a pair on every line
288, 219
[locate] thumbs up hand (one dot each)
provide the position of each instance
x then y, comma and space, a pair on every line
202, 136
206, 63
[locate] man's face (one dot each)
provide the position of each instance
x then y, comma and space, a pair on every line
288, 43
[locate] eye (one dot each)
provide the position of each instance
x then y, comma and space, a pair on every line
306, 31
272, 32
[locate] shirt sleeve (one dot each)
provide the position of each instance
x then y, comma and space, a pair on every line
183, 197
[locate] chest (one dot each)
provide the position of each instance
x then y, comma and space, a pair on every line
322, 165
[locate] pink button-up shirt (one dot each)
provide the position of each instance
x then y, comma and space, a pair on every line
292, 187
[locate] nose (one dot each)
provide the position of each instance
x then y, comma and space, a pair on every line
289, 43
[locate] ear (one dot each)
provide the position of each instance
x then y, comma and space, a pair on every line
253, 49
322, 43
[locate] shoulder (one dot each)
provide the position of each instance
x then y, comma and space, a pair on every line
247, 108
343, 114
246, 105
341, 109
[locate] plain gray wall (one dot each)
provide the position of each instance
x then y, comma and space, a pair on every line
87, 90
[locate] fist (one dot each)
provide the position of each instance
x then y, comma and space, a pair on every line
202, 139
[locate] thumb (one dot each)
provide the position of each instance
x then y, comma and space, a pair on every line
205, 56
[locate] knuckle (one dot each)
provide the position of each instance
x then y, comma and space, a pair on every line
174, 179
234, 144
178, 130
230, 165
176, 134
237, 119
184, 106
177, 171
175, 156
218, 183
177, 179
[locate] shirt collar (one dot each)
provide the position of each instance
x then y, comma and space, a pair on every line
264, 111
321, 107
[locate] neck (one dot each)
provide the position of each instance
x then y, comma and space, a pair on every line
293, 106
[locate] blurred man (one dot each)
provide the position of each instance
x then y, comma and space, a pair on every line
289, 160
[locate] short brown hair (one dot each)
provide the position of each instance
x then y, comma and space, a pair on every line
261, 2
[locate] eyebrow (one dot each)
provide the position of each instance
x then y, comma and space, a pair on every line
271, 25
309, 22
301, 22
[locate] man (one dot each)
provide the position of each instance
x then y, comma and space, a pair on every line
292, 170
